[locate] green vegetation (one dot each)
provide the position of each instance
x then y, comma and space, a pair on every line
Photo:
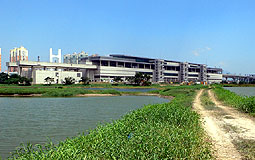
206, 101
117, 79
52, 91
140, 79
163, 131
244, 103
49, 80
84, 80
14, 79
69, 81
246, 148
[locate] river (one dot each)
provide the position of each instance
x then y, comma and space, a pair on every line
243, 91
35, 120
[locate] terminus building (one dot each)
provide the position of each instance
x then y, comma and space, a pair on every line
160, 70
105, 68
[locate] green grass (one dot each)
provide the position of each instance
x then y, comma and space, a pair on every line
206, 101
162, 131
246, 148
53, 91
243, 103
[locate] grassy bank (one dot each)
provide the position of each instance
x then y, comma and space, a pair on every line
52, 92
243, 103
163, 131
64, 91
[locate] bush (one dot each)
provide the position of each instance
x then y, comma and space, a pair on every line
69, 81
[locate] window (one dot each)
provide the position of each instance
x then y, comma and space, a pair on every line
170, 74
112, 64
128, 65
193, 75
78, 74
57, 74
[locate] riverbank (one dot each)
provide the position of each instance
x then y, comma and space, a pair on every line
67, 91
170, 130
243, 103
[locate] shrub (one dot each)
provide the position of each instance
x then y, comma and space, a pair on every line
69, 81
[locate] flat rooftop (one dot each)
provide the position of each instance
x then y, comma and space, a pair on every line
49, 64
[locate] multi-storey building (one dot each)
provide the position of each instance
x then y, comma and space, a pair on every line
18, 54
160, 70
74, 58
105, 68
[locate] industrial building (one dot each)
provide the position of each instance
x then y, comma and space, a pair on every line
105, 68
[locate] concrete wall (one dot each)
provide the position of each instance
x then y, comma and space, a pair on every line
214, 78
59, 76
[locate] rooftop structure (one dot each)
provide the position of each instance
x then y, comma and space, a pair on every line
58, 56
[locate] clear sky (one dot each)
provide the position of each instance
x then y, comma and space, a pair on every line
214, 32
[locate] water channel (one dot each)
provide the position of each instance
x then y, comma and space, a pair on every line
243, 91
34, 120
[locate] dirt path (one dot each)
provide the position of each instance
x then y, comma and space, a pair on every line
214, 126
243, 123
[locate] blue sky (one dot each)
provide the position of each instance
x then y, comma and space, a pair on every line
215, 32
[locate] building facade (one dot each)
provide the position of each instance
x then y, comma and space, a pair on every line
105, 68
18, 54
160, 70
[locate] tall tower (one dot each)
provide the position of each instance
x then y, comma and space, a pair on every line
58, 56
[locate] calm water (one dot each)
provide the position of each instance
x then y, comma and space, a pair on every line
243, 91
125, 89
36, 119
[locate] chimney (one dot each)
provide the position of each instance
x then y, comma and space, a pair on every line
50, 54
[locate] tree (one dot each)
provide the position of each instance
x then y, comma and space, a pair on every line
14, 79
85, 80
49, 80
140, 79
69, 81
28, 81
117, 79
3, 78
25, 81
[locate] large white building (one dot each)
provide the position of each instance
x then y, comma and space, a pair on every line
105, 68
160, 70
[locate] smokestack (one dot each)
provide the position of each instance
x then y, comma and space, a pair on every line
50, 54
